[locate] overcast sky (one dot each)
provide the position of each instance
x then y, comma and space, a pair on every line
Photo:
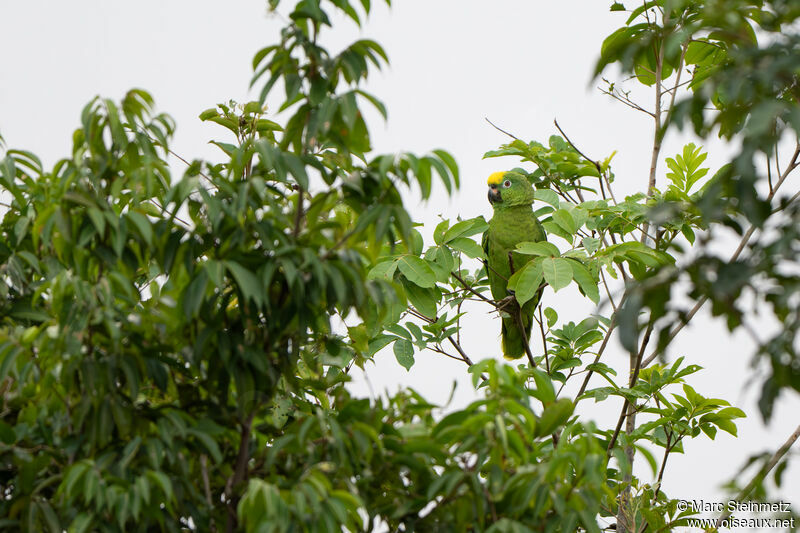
453, 64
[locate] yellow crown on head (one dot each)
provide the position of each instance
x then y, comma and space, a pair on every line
496, 177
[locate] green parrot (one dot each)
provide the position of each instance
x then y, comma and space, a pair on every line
513, 222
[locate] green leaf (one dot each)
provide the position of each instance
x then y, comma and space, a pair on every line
545, 391
526, 282
404, 353
194, 293
465, 228
383, 270
452, 166
557, 272
547, 196
208, 443
564, 219
7, 435
591, 244
585, 280
208, 113
551, 315
143, 225
467, 246
423, 300
553, 416
543, 248
417, 271
248, 283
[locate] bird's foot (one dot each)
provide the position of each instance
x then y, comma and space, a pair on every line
507, 304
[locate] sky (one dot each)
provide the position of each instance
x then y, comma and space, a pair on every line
454, 63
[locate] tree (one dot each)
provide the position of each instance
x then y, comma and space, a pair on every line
174, 352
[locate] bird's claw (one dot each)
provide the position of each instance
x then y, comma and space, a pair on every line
507, 304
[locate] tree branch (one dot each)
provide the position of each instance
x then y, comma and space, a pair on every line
473, 291
501, 130
626, 411
759, 477
239, 473
592, 161
742, 243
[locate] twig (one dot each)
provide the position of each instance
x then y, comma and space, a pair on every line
463, 355
599, 354
207, 487
608, 291
776, 457
240, 471
473, 291
610, 190
170, 151
298, 215
592, 161
667, 450
679, 70
745, 239
627, 101
544, 339
625, 412
456, 344
500, 129
526, 341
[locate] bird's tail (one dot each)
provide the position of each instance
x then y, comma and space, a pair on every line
513, 341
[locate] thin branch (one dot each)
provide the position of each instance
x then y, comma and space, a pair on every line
608, 291
769, 174
564, 194
457, 346
501, 130
517, 312
679, 70
170, 151
207, 488
627, 101
189, 164
657, 133
526, 341
667, 450
745, 239
240, 471
544, 339
759, 477
174, 215
455, 343
626, 412
473, 291
438, 349
677, 86
599, 354
298, 214
610, 190
589, 159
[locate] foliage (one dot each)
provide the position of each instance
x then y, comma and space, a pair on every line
743, 68
174, 351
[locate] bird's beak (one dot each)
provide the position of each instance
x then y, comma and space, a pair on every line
494, 195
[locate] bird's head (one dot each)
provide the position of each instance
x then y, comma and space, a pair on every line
508, 189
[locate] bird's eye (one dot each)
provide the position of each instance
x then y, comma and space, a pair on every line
506, 184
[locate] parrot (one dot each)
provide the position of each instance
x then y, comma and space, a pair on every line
513, 222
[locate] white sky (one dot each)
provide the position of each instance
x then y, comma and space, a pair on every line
453, 62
